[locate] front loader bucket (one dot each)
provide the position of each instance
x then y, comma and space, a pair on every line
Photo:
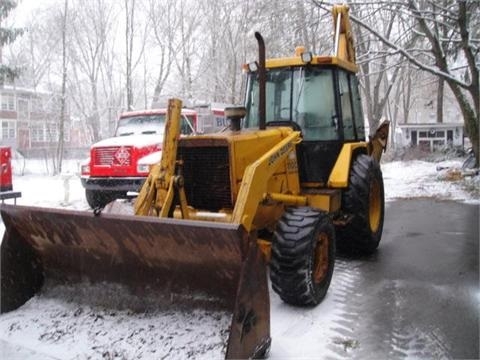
219, 261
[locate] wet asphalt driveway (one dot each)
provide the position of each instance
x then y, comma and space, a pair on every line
418, 296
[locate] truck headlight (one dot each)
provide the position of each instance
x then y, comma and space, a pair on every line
143, 168
85, 169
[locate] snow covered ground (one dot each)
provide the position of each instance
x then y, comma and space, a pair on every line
51, 326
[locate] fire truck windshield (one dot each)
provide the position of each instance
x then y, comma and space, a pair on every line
137, 125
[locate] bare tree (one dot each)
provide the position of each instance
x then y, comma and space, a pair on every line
135, 30
375, 63
34, 53
461, 23
164, 22
129, 21
226, 29
61, 125
112, 80
187, 45
90, 30
440, 56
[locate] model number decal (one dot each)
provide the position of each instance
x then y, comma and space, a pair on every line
284, 149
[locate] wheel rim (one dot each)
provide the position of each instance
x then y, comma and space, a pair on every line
321, 258
375, 201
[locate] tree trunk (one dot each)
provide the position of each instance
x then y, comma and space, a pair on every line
95, 117
441, 85
470, 118
129, 16
61, 125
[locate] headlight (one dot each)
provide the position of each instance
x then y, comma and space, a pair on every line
85, 169
143, 168
253, 66
307, 57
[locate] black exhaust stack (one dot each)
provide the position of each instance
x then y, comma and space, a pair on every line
262, 79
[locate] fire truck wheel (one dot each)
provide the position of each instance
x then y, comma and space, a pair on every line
364, 199
303, 256
99, 199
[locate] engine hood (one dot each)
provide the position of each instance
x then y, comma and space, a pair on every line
131, 140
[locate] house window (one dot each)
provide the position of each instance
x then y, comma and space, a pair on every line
37, 105
22, 108
8, 102
8, 129
48, 132
438, 144
432, 139
424, 145
37, 133
450, 135
51, 133
414, 137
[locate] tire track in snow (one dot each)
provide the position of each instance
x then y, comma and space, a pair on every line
343, 342
372, 321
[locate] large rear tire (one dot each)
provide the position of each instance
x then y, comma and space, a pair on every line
364, 199
303, 256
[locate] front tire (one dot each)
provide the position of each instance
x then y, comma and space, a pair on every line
364, 199
99, 199
303, 256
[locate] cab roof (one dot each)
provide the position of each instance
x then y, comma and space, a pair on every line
316, 60
159, 111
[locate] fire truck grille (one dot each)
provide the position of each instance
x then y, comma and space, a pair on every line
112, 155
207, 177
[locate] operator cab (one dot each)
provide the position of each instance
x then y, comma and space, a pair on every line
322, 102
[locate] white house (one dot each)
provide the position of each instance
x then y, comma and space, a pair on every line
430, 136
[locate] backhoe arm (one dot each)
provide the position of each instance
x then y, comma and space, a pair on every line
344, 48
378, 142
155, 197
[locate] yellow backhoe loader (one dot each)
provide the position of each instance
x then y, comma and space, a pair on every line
292, 176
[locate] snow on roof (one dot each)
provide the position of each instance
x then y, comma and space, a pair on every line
158, 111
431, 125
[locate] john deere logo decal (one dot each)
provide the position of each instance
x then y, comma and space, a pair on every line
122, 156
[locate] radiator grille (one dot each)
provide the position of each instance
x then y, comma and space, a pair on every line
207, 177
112, 155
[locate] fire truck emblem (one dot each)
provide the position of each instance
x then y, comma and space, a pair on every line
122, 155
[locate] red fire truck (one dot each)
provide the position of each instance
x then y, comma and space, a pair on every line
118, 166
5, 169
6, 188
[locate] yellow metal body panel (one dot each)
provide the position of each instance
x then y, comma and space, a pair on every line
261, 161
271, 172
339, 176
249, 145
267, 216
316, 60
328, 200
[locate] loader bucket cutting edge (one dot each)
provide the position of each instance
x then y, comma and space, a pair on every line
220, 261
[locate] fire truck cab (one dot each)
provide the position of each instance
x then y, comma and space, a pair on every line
118, 166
